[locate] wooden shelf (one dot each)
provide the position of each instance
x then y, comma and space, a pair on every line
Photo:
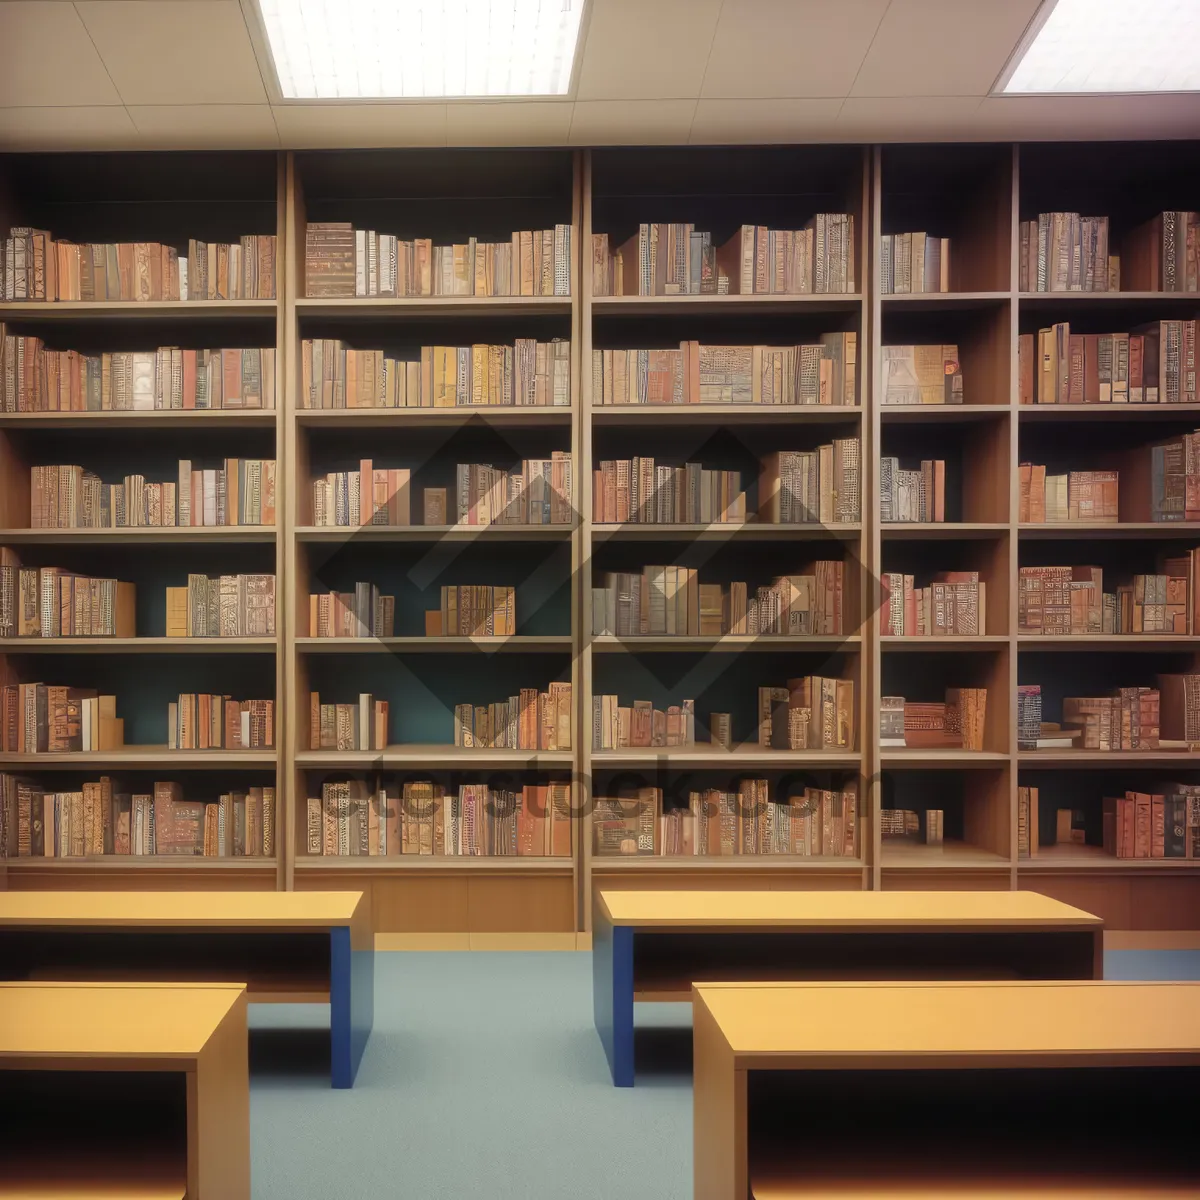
708, 756
143, 862
728, 644
1107, 412
134, 310
413, 306
501, 416
139, 645
944, 301
722, 414
140, 535
1132, 643
722, 531
919, 759
832, 302
1081, 530
983, 644
434, 533
157, 758
1094, 858
948, 856
1099, 760
724, 862
1085, 299
948, 414
163, 418
940, 531
435, 756
518, 644
515, 863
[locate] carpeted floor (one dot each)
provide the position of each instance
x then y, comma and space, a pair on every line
484, 1078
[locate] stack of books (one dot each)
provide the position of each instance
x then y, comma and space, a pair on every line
530, 720
620, 727
1073, 496
228, 606
913, 262
362, 613
813, 712
929, 374
912, 495
640, 491
1162, 253
1064, 252
359, 726
53, 602
957, 723
807, 486
36, 718
474, 610
1149, 825
202, 721
953, 604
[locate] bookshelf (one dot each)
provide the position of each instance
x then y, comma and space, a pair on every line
975, 195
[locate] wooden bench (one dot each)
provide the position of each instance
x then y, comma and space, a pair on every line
652, 946
302, 947
961, 1089
138, 1091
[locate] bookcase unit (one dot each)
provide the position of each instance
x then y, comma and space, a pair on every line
975, 195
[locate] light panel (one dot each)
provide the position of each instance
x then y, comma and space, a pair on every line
395, 49
1090, 46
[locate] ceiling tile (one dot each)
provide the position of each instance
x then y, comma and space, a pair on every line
907, 119
942, 47
1100, 117
721, 122
93, 127
631, 122
766, 48
343, 125
215, 126
640, 50
71, 74
511, 124
183, 52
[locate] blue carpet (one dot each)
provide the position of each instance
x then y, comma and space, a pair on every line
484, 1077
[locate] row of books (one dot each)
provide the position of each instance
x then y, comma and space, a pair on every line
101, 819
36, 718
956, 723
913, 262
714, 823
340, 260
474, 610
1155, 364
905, 825
530, 720
36, 379
1070, 496
349, 818
1064, 252
205, 721
679, 260
818, 373
362, 613
670, 601
242, 492
642, 492
927, 374
227, 606
953, 604
529, 372
620, 727
359, 726
814, 712
1163, 253
38, 267
912, 495
805, 486
52, 602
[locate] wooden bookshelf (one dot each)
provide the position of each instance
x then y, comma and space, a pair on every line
974, 194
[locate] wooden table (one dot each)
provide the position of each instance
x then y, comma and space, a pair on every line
139, 1091
965, 1089
297, 947
652, 946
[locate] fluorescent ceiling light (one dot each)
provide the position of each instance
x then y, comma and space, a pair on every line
384, 49
1087, 46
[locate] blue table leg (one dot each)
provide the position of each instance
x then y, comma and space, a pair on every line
612, 995
351, 1005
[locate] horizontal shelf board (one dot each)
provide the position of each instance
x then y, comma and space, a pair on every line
949, 414
707, 755
720, 531
491, 414
950, 855
1093, 858
434, 533
1106, 412
985, 642
807, 302
155, 757
1054, 299
940, 531
724, 862
1093, 760
917, 758
1110, 529
148, 535
144, 862
428, 862
520, 643
1121, 642
451, 756
474, 306
138, 645
728, 644
132, 310
722, 414
162, 418
938, 301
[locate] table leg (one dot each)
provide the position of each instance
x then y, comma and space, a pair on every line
351, 1005
612, 995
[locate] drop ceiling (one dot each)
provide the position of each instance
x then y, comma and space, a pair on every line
169, 74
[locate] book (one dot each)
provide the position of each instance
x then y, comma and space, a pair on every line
38, 718
908, 495
914, 262
641, 491
1066, 252
52, 602
1027, 822
360, 725
928, 374
228, 606
891, 722
618, 727
363, 613
204, 721
812, 486
533, 719
1076, 496
952, 604
477, 610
